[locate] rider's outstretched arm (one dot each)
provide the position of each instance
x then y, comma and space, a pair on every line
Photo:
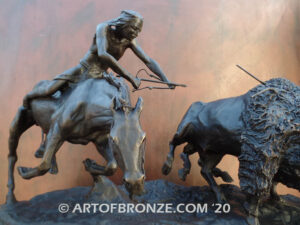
150, 63
101, 40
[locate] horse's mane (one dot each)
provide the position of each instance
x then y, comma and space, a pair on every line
124, 91
271, 116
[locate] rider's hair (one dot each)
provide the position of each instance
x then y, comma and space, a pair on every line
125, 17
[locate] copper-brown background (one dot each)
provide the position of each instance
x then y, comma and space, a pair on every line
195, 42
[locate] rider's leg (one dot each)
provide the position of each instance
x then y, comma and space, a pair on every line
43, 91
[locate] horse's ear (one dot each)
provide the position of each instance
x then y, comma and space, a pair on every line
139, 105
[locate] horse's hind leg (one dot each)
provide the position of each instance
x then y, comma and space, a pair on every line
53, 143
22, 121
111, 166
179, 138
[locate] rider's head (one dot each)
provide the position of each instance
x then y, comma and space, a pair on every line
129, 23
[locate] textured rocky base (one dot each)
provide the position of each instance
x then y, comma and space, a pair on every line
43, 209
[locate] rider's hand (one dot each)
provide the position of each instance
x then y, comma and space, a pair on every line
171, 86
136, 83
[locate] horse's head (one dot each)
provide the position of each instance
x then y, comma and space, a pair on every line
127, 140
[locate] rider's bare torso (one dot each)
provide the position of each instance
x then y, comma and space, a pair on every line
115, 47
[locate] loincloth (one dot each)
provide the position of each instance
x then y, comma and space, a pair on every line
85, 71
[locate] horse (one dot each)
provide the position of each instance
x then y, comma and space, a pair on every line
260, 127
92, 111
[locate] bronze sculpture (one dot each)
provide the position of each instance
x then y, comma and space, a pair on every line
86, 104
261, 128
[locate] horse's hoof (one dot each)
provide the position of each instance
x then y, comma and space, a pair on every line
53, 170
92, 167
166, 169
26, 172
88, 164
39, 153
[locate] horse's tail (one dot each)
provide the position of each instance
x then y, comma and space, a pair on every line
22, 121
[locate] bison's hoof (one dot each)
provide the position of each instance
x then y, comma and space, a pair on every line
252, 220
221, 198
10, 199
166, 169
182, 173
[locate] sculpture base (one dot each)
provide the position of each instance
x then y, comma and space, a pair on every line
43, 209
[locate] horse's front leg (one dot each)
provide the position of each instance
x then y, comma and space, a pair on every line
111, 166
53, 143
40, 153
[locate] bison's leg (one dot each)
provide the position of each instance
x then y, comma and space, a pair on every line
111, 166
251, 205
223, 174
188, 150
22, 121
179, 138
53, 143
208, 161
